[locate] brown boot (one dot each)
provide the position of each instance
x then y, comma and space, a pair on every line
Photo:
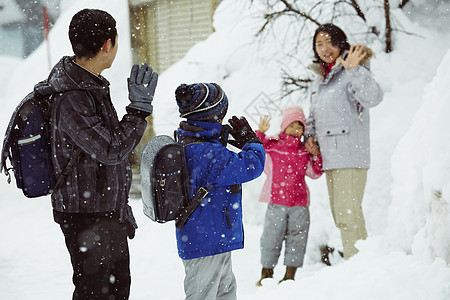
265, 273
290, 274
325, 254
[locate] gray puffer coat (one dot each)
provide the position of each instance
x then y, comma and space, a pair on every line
339, 114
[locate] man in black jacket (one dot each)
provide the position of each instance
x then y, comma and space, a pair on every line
91, 203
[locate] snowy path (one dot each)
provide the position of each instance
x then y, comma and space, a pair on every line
34, 264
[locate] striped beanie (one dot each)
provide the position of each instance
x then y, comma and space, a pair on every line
202, 102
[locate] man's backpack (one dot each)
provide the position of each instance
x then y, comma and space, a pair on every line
27, 146
165, 182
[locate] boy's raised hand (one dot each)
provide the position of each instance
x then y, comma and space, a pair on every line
141, 87
264, 124
242, 132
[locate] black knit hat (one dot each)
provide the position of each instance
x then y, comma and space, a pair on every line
202, 102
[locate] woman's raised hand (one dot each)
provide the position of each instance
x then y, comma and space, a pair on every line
264, 124
354, 57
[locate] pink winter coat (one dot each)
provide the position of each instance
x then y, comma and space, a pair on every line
287, 163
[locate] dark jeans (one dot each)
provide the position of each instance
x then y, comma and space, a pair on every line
98, 248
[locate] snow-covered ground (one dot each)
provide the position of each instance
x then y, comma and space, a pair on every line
407, 254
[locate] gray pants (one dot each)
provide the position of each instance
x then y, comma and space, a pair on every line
210, 278
289, 224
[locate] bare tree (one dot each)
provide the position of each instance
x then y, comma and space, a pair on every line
318, 12
388, 30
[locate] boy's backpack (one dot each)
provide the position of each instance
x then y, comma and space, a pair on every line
165, 182
27, 146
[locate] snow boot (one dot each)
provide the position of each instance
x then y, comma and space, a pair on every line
325, 254
290, 274
265, 273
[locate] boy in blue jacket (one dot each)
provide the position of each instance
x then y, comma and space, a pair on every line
215, 228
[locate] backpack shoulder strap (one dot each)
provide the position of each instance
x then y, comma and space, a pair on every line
201, 192
68, 168
186, 212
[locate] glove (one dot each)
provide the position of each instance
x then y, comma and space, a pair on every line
141, 87
130, 223
242, 132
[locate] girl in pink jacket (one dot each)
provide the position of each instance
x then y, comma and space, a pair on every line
287, 218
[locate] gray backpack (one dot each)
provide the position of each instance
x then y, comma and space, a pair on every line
165, 182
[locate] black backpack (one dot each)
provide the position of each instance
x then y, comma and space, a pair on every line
165, 182
27, 146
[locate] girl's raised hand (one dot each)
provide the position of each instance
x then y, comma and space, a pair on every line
264, 124
354, 57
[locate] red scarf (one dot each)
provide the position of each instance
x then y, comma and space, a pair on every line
327, 67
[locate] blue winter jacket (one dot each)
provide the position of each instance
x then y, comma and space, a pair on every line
216, 225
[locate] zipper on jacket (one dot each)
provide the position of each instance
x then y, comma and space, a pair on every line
227, 216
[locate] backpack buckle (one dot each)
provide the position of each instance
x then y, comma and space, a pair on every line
202, 193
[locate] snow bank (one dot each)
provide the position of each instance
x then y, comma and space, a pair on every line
230, 57
420, 212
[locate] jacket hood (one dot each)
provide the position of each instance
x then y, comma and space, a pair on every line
202, 131
292, 114
67, 76
317, 66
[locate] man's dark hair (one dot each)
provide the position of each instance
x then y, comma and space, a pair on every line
338, 38
89, 30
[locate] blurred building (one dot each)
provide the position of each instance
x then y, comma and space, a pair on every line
22, 25
161, 33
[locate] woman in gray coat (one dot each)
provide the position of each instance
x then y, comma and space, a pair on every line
339, 122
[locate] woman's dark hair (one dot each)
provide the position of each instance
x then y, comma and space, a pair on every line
89, 30
338, 38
